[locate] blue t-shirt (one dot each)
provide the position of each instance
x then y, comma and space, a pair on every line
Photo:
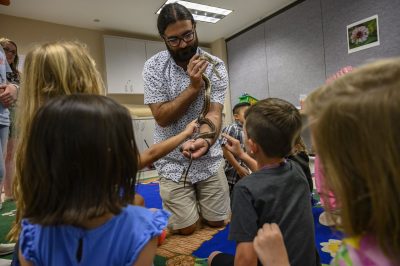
117, 242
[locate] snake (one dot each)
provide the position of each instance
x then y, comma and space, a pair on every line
202, 119
206, 104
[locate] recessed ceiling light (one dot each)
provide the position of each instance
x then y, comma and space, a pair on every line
201, 12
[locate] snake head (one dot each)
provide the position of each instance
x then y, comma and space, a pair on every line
210, 60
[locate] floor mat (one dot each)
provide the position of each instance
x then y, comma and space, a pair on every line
194, 249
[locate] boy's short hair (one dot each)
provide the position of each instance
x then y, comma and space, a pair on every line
236, 108
273, 124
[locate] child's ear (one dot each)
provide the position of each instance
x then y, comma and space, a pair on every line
236, 116
253, 146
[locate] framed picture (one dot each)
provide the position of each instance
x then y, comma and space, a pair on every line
363, 34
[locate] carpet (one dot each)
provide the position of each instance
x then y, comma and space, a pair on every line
194, 249
7, 216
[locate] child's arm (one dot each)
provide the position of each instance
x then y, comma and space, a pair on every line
156, 151
245, 254
22, 260
146, 256
270, 247
233, 145
242, 171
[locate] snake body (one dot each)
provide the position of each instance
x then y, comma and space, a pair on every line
206, 105
202, 119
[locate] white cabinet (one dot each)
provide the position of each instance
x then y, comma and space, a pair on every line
153, 48
125, 58
143, 128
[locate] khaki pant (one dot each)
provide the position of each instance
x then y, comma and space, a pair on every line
209, 197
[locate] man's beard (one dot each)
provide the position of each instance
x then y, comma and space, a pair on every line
183, 55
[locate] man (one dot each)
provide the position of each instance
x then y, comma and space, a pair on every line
174, 90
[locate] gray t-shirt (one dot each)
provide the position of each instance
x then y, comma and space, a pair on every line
164, 80
278, 195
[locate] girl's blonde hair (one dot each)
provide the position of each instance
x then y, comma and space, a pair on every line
51, 69
357, 135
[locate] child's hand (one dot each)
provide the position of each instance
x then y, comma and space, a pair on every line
270, 247
195, 148
191, 128
232, 145
242, 172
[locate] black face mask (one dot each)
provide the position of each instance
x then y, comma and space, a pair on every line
181, 55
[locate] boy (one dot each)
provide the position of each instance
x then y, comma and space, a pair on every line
277, 193
235, 169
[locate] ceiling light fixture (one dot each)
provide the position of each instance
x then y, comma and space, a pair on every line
201, 12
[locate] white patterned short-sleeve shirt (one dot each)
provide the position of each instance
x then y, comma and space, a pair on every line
164, 80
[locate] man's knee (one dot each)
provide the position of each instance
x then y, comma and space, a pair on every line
139, 200
216, 223
187, 230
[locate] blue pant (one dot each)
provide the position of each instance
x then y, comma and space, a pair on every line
3, 147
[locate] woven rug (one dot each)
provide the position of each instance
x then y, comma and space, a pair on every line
176, 249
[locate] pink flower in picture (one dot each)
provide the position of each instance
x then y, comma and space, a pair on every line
359, 34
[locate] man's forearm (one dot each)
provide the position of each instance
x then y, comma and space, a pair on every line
167, 112
215, 116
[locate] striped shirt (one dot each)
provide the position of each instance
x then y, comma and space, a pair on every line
234, 130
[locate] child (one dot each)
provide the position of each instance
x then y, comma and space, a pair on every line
278, 192
13, 77
300, 156
50, 70
64, 68
235, 169
328, 216
78, 179
360, 111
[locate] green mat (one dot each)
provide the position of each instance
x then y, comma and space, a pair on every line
7, 216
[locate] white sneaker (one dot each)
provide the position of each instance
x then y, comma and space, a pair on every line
6, 248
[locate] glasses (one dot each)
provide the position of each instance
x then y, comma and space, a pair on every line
7, 50
175, 41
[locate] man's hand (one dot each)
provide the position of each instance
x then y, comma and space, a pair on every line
8, 94
167, 112
195, 148
195, 69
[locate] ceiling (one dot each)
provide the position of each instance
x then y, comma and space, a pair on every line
138, 16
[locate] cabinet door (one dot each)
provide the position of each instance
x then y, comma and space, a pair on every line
153, 48
116, 64
124, 64
136, 57
144, 132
